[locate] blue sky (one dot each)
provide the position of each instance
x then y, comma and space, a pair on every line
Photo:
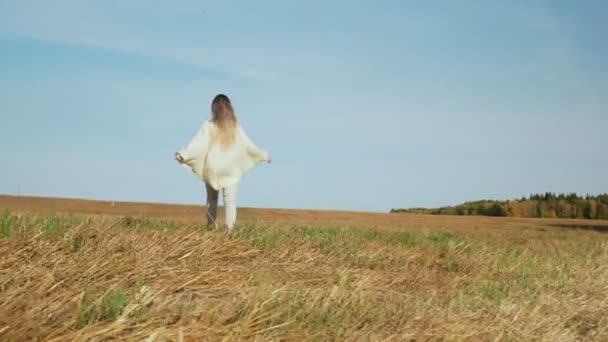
364, 105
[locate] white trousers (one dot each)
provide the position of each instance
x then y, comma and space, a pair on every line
229, 199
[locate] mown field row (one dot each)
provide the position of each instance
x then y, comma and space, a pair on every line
75, 277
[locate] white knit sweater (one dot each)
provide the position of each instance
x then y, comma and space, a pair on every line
221, 167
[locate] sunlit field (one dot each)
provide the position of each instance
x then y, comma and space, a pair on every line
66, 277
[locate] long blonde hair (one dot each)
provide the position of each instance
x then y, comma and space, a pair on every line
224, 119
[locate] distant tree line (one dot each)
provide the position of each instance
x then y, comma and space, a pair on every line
547, 205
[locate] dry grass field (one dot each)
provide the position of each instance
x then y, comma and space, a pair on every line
74, 270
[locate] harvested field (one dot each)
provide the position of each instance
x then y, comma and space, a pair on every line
83, 270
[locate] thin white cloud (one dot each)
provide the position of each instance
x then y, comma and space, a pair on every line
82, 24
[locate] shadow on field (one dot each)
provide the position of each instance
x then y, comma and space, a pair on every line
577, 226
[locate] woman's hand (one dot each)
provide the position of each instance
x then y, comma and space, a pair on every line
179, 158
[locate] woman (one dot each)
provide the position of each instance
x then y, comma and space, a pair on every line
221, 153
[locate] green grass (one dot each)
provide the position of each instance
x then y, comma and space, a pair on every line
107, 308
448, 241
404, 238
144, 223
267, 239
56, 225
6, 221
495, 291
331, 239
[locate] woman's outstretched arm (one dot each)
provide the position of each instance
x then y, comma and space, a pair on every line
196, 148
257, 153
